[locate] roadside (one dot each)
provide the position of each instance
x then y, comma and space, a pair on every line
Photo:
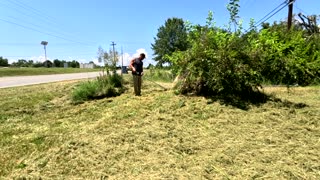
6, 82
6, 72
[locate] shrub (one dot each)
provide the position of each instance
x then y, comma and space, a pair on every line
103, 86
85, 91
287, 57
216, 64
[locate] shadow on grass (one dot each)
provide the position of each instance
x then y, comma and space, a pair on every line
256, 98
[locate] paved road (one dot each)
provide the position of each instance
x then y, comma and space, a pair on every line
15, 81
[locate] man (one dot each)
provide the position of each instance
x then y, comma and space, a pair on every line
136, 65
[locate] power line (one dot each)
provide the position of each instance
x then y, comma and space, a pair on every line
35, 17
35, 25
274, 14
19, 11
25, 14
296, 6
262, 19
38, 12
32, 10
271, 14
36, 44
49, 34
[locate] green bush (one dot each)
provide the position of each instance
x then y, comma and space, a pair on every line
116, 80
287, 57
217, 63
103, 86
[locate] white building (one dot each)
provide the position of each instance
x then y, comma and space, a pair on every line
86, 65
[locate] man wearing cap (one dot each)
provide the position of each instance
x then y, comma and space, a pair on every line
136, 65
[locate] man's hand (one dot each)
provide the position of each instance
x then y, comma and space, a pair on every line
142, 73
133, 69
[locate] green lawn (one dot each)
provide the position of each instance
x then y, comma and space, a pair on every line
40, 71
156, 136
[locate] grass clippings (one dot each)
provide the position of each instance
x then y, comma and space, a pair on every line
156, 136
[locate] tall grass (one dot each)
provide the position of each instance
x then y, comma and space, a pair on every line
102, 86
159, 75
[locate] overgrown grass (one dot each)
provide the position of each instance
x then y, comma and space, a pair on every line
159, 75
40, 71
103, 86
156, 136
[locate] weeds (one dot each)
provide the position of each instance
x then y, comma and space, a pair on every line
159, 75
103, 86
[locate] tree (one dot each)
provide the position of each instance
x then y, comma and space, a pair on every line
74, 64
37, 64
110, 59
21, 63
171, 37
3, 62
57, 63
47, 64
30, 63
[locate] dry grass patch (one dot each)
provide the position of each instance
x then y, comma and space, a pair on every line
156, 136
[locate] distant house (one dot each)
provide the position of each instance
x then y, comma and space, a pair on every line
87, 66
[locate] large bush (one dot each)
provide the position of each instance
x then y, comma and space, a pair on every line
217, 63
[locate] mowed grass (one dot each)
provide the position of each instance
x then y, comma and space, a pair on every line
156, 136
41, 71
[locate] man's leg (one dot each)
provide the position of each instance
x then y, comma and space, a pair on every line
139, 85
135, 84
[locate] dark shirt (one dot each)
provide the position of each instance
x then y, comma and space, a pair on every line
138, 65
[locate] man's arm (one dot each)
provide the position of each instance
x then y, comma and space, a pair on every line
131, 65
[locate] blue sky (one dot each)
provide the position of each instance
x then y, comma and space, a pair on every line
76, 28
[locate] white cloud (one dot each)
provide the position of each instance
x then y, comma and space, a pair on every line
128, 57
10, 61
38, 59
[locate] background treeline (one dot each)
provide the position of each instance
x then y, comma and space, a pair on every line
30, 63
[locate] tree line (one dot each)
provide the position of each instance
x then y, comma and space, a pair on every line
30, 63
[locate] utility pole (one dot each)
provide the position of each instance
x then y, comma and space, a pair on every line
114, 53
121, 60
290, 14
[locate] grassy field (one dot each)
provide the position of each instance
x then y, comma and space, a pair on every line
157, 136
40, 71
